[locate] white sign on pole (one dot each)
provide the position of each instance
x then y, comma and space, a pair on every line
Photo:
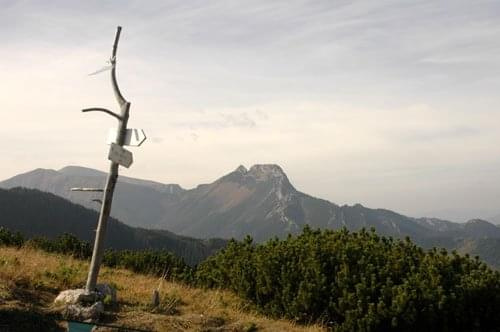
120, 156
133, 137
111, 136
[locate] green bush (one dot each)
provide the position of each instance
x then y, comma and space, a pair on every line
157, 262
359, 282
10, 239
67, 244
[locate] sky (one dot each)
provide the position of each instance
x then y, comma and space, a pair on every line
390, 104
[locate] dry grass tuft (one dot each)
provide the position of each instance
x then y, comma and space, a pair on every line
31, 278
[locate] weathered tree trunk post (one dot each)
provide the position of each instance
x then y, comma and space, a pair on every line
113, 173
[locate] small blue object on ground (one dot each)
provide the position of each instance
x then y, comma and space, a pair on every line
79, 327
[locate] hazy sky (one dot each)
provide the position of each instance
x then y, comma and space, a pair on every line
390, 104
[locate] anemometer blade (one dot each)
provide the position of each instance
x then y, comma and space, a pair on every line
103, 69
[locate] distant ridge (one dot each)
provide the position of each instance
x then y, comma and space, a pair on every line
80, 171
259, 201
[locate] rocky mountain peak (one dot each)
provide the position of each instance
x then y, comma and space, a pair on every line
241, 169
265, 172
269, 176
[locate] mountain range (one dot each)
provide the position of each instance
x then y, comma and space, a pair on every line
259, 201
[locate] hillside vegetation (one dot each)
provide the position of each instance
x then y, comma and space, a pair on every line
30, 279
346, 281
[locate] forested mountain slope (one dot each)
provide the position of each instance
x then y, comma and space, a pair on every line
36, 213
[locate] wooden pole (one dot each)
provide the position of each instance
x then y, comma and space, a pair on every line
112, 178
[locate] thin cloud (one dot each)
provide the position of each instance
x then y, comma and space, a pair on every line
209, 120
242, 120
323, 88
426, 135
